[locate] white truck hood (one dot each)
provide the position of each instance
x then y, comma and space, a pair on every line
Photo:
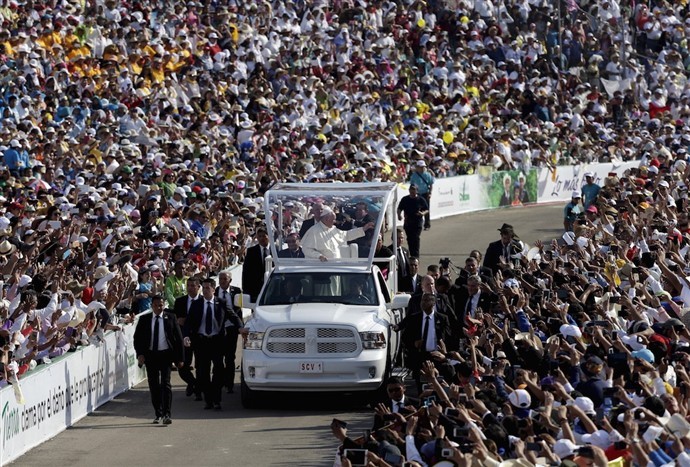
363, 317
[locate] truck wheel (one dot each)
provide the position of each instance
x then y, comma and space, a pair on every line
380, 393
249, 398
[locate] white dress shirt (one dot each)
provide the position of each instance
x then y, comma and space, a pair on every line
202, 326
397, 405
471, 306
190, 299
157, 320
226, 296
430, 344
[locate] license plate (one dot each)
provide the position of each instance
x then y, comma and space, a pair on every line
310, 367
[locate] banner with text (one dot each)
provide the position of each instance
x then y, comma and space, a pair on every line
454, 195
60, 393
558, 184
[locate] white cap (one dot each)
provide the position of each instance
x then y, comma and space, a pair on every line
564, 448
599, 438
24, 280
585, 404
520, 398
576, 194
570, 330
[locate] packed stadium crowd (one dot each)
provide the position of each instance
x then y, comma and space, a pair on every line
138, 139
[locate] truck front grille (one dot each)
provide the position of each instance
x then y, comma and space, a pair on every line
312, 341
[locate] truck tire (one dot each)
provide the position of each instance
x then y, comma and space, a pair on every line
380, 393
248, 397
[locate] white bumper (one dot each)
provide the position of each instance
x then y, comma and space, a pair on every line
264, 373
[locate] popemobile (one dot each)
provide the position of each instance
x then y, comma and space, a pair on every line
322, 323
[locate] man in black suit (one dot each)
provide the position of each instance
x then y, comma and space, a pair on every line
181, 310
421, 334
292, 290
471, 268
411, 283
402, 256
472, 298
501, 248
428, 286
158, 344
415, 208
309, 223
206, 328
483, 270
382, 251
255, 265
233, 325
294, 249
397, 401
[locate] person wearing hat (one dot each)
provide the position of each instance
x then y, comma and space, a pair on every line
571, 211
504, 248
158, 345
424, 181
415, 208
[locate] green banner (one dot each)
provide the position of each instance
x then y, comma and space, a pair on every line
512, 188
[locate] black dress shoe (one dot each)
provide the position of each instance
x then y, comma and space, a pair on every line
167, 420
190, 390
208, 406
217, 407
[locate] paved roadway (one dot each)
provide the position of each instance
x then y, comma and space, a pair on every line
295, 431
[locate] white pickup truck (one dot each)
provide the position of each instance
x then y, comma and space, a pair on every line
323, 325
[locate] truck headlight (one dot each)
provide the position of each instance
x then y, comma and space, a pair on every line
373, 340
254, 341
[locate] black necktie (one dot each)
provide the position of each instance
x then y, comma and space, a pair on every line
156, 334
263, 254
403, 265
425, 332
225, 296
209, 319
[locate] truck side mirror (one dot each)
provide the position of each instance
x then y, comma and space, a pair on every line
399, 301
243, 301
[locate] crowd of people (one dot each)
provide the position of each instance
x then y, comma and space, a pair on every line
138, 139
569, 352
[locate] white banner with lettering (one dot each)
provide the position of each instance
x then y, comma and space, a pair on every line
454, 195
559, 184
60, 393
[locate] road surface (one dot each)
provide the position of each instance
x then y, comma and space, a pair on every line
295, 430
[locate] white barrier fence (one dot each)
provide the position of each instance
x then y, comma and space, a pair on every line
467, 193
558, 185
59, 394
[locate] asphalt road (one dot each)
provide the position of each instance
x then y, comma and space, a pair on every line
295, 430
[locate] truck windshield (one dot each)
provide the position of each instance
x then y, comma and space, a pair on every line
320, 287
